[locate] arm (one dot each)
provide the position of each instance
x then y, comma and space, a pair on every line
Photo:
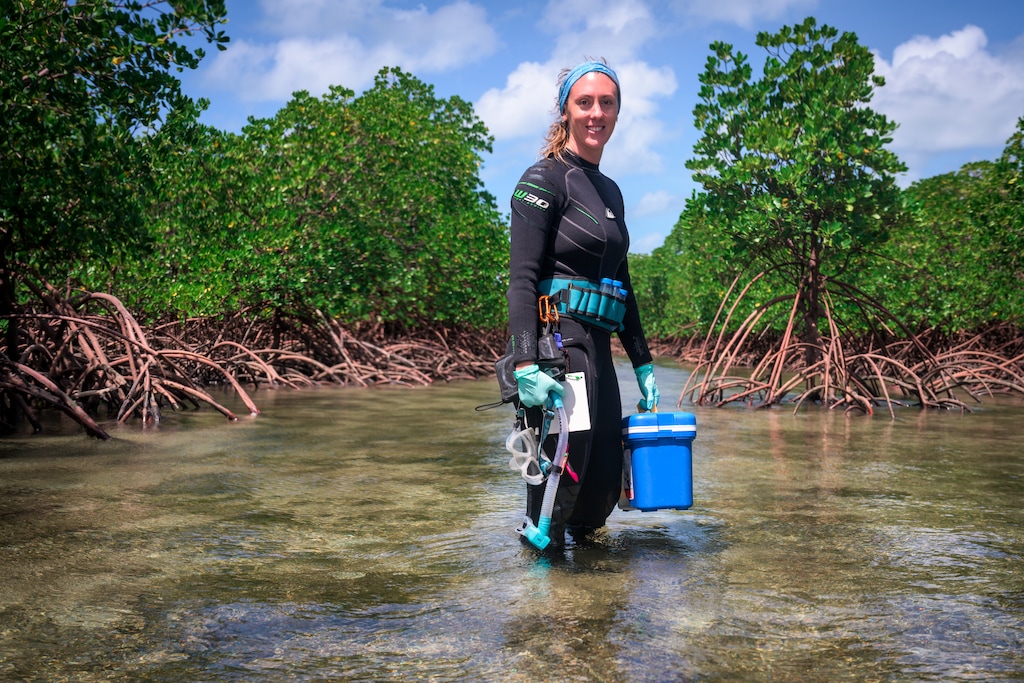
635, 342
632, 336
535, 210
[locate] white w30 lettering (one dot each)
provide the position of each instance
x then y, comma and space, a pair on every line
528, 198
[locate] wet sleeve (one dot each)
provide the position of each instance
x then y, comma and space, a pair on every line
632, 336
534, 213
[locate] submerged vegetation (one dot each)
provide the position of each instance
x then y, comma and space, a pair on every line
145, 256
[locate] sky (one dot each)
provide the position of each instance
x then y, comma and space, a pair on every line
954, 72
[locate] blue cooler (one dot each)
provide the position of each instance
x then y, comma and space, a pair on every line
658, 449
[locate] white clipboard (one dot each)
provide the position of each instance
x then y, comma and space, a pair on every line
577, 406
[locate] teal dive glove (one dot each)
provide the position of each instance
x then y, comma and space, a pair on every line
648, 387
534, 386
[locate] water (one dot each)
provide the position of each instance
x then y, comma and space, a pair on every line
368, 535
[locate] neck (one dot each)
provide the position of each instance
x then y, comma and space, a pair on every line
593, 162
591, 155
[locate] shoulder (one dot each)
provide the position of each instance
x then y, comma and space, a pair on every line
544, 180
547, 170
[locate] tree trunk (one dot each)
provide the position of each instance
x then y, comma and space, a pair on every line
10, 408
811, 307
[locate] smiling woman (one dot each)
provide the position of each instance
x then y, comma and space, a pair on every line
568, 249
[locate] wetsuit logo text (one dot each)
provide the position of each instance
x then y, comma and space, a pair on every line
532, 199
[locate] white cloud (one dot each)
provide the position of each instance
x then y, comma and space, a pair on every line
649, 218
525, 106
646, 243
319, 46
743, 13
658, 202
949, 93
613, 29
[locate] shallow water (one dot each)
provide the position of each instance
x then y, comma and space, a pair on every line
368, 535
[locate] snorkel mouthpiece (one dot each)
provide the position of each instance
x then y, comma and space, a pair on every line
537, 535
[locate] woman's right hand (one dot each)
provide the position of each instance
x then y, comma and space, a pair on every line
534, 385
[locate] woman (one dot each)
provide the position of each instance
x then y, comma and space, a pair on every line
568, 234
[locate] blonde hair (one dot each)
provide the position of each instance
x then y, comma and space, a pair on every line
556, 140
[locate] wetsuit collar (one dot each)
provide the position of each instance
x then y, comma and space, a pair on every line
574, 159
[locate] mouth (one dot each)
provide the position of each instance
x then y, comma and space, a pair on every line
595, 129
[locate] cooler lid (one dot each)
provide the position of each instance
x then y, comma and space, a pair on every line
660, 424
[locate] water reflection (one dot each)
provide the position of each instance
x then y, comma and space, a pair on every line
368, 535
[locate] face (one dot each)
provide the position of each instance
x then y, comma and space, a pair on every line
591, 112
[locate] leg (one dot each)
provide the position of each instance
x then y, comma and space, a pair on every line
596, 455
602, 485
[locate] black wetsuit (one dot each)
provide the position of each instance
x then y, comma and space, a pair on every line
567, 221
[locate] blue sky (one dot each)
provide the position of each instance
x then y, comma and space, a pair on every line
954, 72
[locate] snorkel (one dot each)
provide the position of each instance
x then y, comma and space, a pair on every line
528, 456
537, 534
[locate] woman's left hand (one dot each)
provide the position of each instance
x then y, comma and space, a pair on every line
648, 387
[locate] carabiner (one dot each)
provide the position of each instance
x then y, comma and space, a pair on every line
547, 310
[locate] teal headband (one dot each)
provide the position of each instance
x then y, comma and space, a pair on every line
578, 73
